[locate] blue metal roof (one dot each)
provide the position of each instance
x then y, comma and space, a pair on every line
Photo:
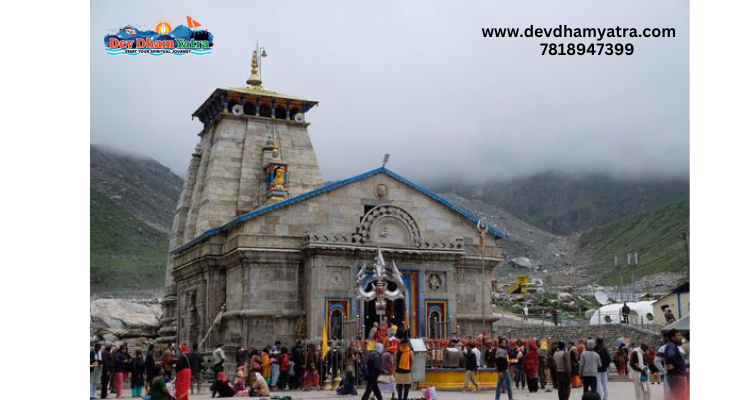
329, 188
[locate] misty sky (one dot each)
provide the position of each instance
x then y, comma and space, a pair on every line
415, 79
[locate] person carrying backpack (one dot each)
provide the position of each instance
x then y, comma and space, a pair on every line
602, 374
372, 373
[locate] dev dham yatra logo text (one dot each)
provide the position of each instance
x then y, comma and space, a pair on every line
161, 39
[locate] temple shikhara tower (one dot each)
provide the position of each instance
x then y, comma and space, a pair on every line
256, 231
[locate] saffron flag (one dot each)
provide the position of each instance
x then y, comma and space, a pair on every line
407, 314
324, 346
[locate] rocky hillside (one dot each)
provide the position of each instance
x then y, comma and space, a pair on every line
527, 248
132, 321
144, 188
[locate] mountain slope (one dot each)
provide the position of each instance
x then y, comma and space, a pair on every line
521, 239
145, 188
657, 237
562, 204
125, 252
132, 204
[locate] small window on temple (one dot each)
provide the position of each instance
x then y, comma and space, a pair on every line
280, 112
265, 110
249, 108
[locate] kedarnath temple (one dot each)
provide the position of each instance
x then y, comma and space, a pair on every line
257, 232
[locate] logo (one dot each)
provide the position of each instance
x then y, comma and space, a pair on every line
162, 38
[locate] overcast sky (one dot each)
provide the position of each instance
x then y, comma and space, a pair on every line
415, 79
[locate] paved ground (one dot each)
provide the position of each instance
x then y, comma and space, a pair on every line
617, 391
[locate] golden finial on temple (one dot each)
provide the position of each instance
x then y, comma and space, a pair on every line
275, 151
254, 79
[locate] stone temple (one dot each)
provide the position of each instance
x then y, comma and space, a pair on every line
257, 230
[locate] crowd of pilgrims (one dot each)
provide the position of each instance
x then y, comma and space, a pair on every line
387, 368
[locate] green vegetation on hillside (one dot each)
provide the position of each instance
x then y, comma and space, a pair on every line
656, 236
125, 252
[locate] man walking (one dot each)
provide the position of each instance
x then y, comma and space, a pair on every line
108, 365
471, 368
661, 364
602, 374
625, 313
562, 370
502, 360
638, 371
218, 358
373, 372
196, 366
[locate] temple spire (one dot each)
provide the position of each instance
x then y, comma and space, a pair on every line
254, 80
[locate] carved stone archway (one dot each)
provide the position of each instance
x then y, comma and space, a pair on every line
389, 225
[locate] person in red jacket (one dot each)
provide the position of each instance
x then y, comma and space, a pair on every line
531, 367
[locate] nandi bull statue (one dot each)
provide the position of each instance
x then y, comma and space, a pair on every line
380, 278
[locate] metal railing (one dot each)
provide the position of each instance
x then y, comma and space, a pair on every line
443, 330
579, 319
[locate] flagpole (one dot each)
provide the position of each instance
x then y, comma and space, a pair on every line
217, 319
484, 323
482, 236
481, 228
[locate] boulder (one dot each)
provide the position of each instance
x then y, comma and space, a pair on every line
564, 296
110, 338
125, 318
524, 263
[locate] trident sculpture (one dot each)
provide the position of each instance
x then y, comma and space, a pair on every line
380, 279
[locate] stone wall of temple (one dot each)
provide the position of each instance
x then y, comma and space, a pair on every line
278, 270
225, 177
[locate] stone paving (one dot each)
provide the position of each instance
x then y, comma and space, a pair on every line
617, 391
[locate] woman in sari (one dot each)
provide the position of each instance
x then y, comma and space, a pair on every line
312, 378
265, 362
184, 374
